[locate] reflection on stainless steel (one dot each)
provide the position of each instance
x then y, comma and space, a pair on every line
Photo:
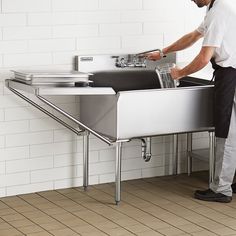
131, 61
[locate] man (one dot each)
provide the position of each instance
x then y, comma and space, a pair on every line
218, 31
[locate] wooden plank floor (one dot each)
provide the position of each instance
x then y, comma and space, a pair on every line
149, 207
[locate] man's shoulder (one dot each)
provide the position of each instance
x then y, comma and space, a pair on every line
225, 5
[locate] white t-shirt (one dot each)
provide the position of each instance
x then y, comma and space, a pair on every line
219, 31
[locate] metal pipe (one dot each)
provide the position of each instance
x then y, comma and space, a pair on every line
211, 156
153, 50
118, 172
146, 149
45, 111
189, 152
73, 119
176, 154
86, 160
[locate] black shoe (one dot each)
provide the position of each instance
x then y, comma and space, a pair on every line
233, 186
209, 195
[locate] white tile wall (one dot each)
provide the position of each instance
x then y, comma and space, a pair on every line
38, 154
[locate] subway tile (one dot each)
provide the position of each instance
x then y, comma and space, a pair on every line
44, 124
1, 56
163, 27
65, 147
74, 5
101, 168
28, 32
13, 47
14, 153
29, 188
51, 45
98, 43
64, 135
5, 74
52, 174
108, 154
11, 101
52, 18
14, 127
68, 183
2, 141
75, 31
63, 57
125, 175
74, 182
96, 144
1, 115
2, 167
12, 19
40, 150
25, 5
97, 17
120, 29
110, 4
72, 159
29, 164
2, 192
23, 113
120, 4
142, 42
132, 164
40, 19
131, 4
142, 16
14, 179
34, 59
157, 171
29, 138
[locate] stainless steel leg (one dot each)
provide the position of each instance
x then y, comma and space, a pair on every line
211, 156
118, 171
176, 154
86, 160
189, 152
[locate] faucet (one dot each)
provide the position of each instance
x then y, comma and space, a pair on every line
133, 60
130, 60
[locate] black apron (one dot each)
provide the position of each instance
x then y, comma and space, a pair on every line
224, 89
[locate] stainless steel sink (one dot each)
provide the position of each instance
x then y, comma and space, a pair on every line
140, 108
124, 104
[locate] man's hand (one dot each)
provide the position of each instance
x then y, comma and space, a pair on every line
176, 73
153, 56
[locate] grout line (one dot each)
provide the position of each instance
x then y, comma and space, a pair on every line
118, 211
89, 210
194, 212
21, 215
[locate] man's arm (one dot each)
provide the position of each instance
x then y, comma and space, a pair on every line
200, 61
183, 43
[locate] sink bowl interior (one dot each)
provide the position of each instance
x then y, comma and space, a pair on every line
126, 80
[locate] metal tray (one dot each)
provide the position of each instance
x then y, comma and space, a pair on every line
43, 77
